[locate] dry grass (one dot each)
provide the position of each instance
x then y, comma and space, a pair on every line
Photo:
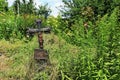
20, 63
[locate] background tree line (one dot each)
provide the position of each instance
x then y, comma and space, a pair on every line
25, 7
22, 14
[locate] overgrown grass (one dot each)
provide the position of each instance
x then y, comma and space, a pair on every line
94, 55
20, 56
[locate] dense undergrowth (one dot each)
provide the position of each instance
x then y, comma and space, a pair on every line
75, 54
99, 50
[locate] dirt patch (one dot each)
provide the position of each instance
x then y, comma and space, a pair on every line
3, 66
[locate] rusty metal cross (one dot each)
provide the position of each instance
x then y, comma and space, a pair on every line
40, 53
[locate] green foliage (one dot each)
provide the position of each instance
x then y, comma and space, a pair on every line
44, 11
3, 6
24, 7
99, 57
15, 26
89, 52
6, 25
28, 7
89, 10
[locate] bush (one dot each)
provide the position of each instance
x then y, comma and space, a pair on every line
15, 26
100, 55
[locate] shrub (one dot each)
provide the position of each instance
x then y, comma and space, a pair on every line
99, 56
